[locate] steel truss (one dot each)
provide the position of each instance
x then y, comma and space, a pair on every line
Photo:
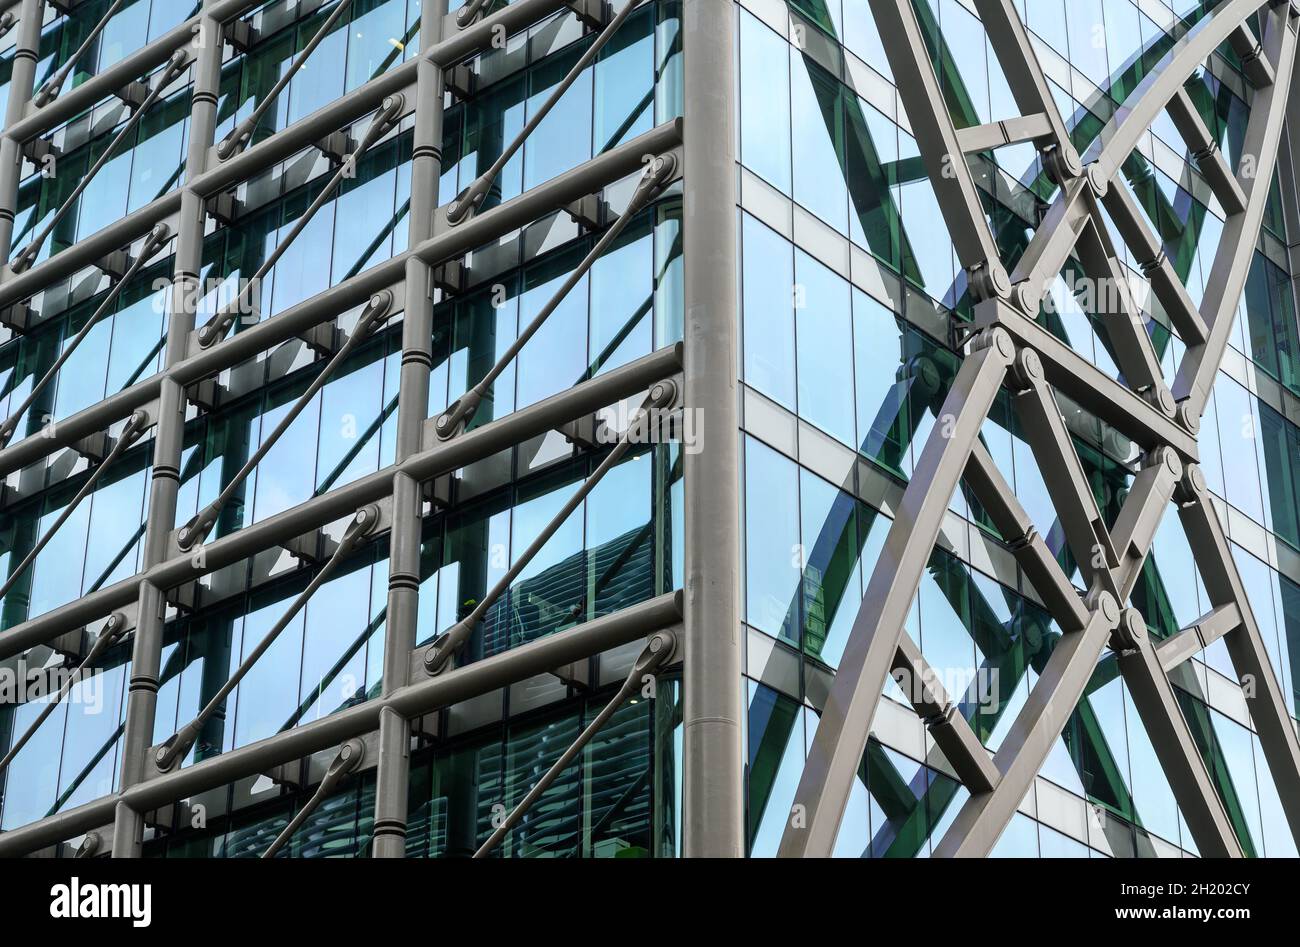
697, 375
1010, 348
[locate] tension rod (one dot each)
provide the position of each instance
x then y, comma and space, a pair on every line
175, 66
658, 650
176, 746
372, 317
157, 237
657, 172
384, 119
50, 90
663, 394
348, 759
111, 634
242, 132
135, 426
470, 199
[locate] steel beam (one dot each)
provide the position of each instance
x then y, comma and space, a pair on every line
1198, 636
146, 651
941, 148
1067, 484
984, 816
1154, 263
846, 720
1087, 385
434, 461
1268, 706
393, 771
951, 731
22, 79
414, 700
1181, 761
1036, 560
1205, 152
1227, 276
713, 755
445, 244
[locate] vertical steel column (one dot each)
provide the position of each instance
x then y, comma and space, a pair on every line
393, 770
21, 83
146, 654
713, 758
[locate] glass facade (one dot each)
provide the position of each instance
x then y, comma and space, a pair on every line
852, 309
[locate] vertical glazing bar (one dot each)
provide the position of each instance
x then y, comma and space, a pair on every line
146, 655
21, 83
713, 759
393, 768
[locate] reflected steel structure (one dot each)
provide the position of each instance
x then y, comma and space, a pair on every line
1006, 348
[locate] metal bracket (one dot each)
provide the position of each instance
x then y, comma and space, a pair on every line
206, 395
240, 35
133, 94
336, 146
224, 208
73, 646
594, 14
589, 212
324, 339
583, 432
451, 277
94, 447
20, 317
311, 548
115, 264
184, 597
438, 491
38, 149
461, 81
576, 675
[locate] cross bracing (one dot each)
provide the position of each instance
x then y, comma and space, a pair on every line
1152, 418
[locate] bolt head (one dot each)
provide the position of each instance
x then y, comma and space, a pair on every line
1099, 183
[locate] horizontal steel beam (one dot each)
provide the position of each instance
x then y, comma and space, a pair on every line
1198, 636
447, 244
107, 82
414, 700
1087, 385
444, 457
223, 175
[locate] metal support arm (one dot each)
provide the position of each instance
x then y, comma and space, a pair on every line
349, 758
449, 642
374, 315
157, 237
658, 172
176, 746
178, 63
657, 652
135, 426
